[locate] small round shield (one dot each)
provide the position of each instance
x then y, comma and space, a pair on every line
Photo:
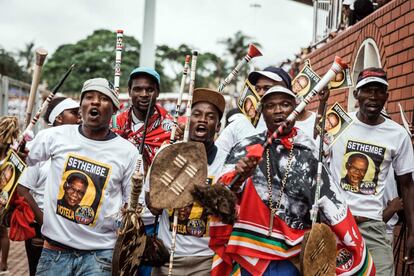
174, 172
318, 254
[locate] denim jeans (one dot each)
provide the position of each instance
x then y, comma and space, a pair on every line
277, 268
144, 270
71, 263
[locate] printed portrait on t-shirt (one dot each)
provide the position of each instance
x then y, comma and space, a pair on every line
82, 189
192, 219
10, 171
360, 167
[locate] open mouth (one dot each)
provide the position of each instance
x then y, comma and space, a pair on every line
373, 106
278, 120
201, 130
94, 113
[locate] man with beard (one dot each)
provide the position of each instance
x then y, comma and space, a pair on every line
192, 254
276, 191
144, 84
84, 246
387, 144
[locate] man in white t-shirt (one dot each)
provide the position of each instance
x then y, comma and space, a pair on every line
60, 111
241, 127
192, 254
80, 241
384, 143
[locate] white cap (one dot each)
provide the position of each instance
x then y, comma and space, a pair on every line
62, 106
369, 80
279, 89
102, 86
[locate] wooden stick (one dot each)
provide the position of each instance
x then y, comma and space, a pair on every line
252, 52
40, 59
190, 96
28, 132
179, 100
186, 138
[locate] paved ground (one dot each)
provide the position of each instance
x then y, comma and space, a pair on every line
17, 260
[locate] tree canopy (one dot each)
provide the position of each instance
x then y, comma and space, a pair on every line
94, 56
9, 67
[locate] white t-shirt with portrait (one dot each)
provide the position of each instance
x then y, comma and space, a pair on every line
371, 151
193, 227
87, 184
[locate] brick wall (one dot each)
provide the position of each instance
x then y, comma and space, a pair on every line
392, 28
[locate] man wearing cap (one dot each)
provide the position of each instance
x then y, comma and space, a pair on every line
60, 111
144, 84
276, 192
384, 143
240, 127
81, 242
192, 254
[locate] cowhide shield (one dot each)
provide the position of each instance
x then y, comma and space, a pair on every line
131, 242
318, 254
129, 246
174, 172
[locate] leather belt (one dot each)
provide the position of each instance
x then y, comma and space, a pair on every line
53, 247
360, 220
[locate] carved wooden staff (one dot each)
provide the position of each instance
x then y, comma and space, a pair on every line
118, 59
40, 59
179, 100
251, 53
186, 138
315, 208
131, 241
28, 132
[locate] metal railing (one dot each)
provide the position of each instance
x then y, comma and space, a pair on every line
14, 96
327, 18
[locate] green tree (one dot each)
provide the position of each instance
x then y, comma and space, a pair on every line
210, 68
9, 67
94, 56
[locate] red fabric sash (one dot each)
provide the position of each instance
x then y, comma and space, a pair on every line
158, 131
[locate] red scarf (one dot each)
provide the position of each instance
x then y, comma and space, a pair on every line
158, 131
286, 140
22, 217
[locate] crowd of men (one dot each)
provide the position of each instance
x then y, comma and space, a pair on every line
79, 172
